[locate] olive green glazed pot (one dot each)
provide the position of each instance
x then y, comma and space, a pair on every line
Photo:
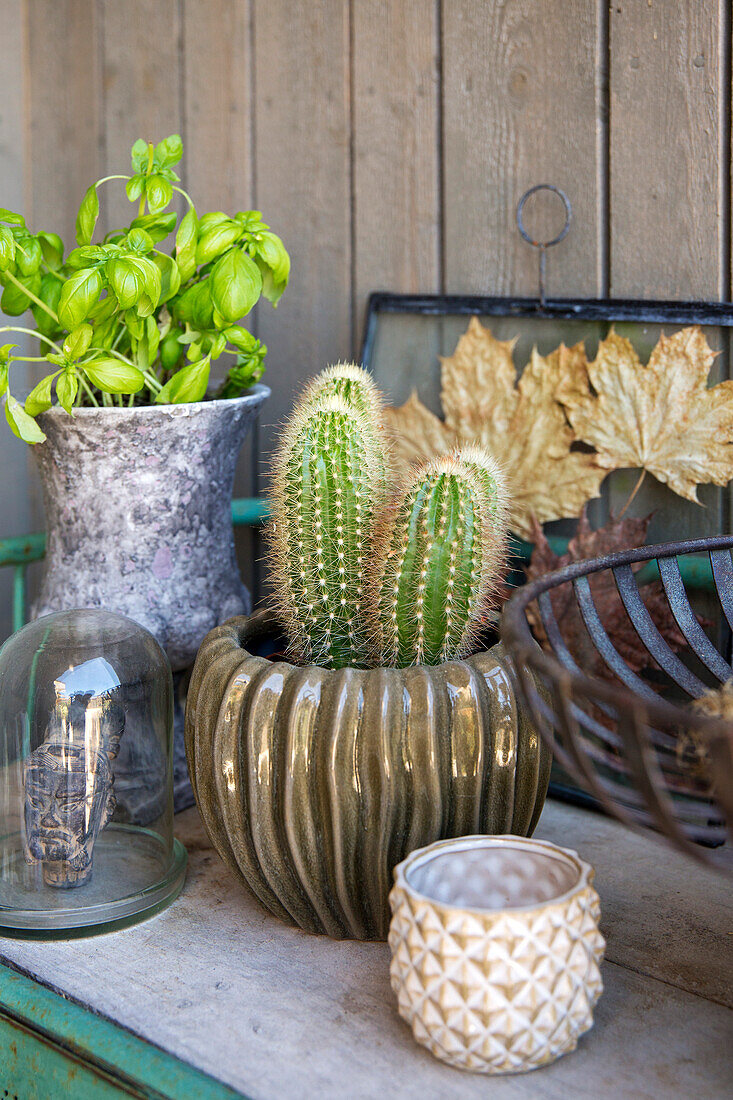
313, 783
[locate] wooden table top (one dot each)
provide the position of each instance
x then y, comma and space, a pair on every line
274, 1012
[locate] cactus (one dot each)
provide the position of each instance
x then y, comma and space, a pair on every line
329, 482
442, 547
356, 582
351, 383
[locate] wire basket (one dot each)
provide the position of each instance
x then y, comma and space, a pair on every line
634, 741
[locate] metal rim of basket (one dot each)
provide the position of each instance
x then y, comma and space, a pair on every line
526, 653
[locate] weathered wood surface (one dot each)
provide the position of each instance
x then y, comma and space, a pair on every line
388, 142
277, 1013
522, 84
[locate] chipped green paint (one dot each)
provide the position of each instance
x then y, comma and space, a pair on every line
53, 1047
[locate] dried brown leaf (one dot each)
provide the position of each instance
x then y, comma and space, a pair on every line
614, 536
521, 424
661, 416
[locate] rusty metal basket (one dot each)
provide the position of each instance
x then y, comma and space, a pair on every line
634, 741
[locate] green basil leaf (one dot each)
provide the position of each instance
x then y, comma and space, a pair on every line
28, 254
170, 276
157, 225
66, 389
188, 384
134, 324
113, 376
52, 248
240, 338
104, 308
78, 341
7, 248
134, 187
214, 217
5, 351
139, 155
10, 217
57, 360
152, 281
152, 334
139, 241
168, 151
186, 240
236, 284
171, 349
218, 345
23, 425
40, 399
158, 192
126, 280
49, 292
89, 255
14, 301
105, 332
195, 306
86, 219
251, 221
212, 242
274, 264
79, 295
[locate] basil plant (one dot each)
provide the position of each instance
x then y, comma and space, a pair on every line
133, 320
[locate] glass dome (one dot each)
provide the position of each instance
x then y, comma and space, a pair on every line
86, 805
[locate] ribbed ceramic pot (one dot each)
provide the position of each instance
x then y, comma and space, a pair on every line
314, 783
138, 513
496, 951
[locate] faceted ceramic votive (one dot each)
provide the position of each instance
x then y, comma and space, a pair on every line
496, 951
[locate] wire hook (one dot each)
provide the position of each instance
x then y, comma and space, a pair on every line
542, 246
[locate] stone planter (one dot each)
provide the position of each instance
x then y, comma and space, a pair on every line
314, 783
138, 515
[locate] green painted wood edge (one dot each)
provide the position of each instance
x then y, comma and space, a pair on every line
102, 1044
251, 511
22, 549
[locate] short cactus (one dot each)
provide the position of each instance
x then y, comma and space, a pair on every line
329, 481
443, 545
358, 582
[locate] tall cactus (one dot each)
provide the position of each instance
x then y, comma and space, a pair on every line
350, 382
442, 547
329, 483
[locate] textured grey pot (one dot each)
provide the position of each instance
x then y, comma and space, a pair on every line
138, 515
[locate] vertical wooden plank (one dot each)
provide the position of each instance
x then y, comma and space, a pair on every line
141, 79
669, 173
64, 126
522, 104
64, 108
217, 84
217, 81
668, 160
303, 187
396, 119
14, 502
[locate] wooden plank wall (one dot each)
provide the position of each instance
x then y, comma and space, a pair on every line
388, 142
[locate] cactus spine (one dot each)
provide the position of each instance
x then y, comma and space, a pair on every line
442, 546
329, 480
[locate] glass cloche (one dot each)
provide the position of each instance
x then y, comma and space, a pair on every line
86, 805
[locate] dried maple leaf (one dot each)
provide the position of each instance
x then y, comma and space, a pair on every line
521, 424
660, 417
615, 535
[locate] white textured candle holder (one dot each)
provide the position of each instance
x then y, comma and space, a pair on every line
496, 951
